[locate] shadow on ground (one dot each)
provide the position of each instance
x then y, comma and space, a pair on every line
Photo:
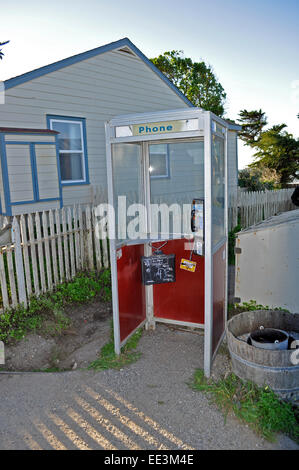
147, 405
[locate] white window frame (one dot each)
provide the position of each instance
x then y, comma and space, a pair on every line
82, 152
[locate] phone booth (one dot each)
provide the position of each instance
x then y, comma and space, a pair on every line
167, 194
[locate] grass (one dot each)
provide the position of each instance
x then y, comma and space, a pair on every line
232, 235
50, 370
259, 407
252, 305
108, 359
45, 313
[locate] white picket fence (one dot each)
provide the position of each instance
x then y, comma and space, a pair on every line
48, 248
53, 246
251, 207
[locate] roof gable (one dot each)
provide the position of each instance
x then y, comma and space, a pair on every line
124, 43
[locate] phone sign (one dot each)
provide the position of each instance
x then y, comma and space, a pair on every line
166, 127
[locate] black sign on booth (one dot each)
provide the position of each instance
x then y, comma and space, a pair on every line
158, 269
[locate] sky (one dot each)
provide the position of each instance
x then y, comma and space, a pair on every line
251, 45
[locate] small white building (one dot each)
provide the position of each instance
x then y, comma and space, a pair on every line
42, 169
267, 262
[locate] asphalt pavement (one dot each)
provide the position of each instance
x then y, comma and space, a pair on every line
147, 405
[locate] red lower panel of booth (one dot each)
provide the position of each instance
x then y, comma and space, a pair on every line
219, 266
131, 291
182, 300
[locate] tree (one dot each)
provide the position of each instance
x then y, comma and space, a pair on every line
257, 179
196, 80
276, 149
2, 44
253, 122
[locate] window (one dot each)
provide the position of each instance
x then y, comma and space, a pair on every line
72, 149
159, 161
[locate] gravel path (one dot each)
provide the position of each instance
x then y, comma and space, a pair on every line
147, 405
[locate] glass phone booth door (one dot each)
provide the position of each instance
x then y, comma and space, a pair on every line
176, 173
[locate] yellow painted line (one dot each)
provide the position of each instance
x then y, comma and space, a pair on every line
49, 436
125, 420
150, 421
91, 431
107, 424
71, 435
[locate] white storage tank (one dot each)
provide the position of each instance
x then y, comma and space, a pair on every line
267, 262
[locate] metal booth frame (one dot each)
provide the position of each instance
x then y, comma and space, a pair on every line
208, 125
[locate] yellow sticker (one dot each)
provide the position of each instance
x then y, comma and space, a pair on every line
188, 265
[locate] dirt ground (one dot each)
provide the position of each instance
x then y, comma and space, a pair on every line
146, 405
76, 347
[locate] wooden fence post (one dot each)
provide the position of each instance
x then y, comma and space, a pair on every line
97, 240
89, 238
16, 239
26, 255
4, 291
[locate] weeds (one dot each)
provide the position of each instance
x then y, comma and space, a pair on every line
231, 244
252, 305
108, 359
248, 307
260, 407
46, 313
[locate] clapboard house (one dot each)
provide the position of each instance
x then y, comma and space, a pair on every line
52, 138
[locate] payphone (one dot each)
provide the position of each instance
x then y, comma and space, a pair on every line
197, 225
167, 185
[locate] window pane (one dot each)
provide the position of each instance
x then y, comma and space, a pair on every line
128, 182
158, 148
185, 182
71, 166
186, 174
158, 164
158, 160
69, 137
218, 189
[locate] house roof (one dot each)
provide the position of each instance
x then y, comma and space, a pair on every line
16, 130
125, 42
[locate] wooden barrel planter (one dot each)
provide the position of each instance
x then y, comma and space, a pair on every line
279, 369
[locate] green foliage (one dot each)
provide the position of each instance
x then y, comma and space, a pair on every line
252, 179
49, 370
235, 309
132, 342
81, 289
196, 80
261, 408
252, 122
276, 149
2, 44
46, 312
108, 359
231, 244
252, 306
105, 279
